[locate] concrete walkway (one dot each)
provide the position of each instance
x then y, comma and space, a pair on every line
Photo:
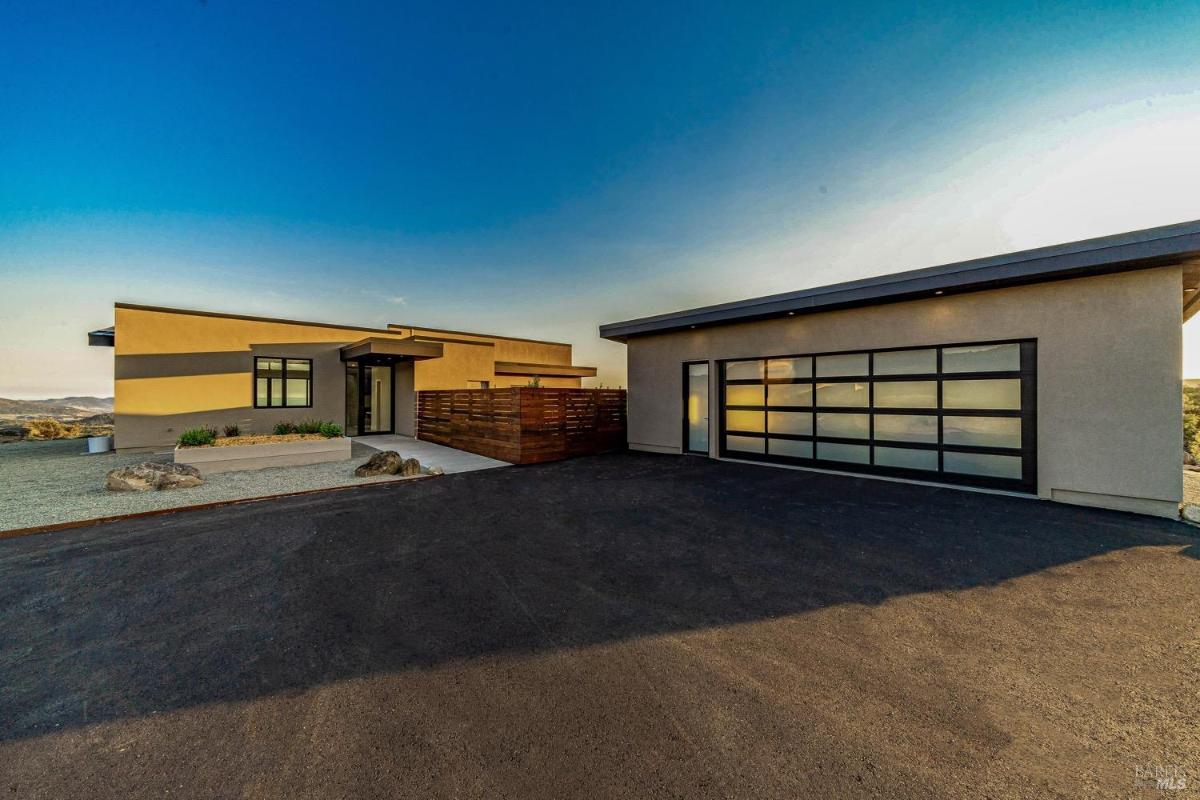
430, 454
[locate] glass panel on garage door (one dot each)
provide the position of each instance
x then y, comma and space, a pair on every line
957, 413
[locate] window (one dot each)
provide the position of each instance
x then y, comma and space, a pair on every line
282, 382
959, 413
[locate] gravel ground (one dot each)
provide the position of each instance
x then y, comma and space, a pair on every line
1191, 487
43, 483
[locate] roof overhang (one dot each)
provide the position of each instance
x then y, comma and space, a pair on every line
105, 337
396, 349
1154, 247
544, 370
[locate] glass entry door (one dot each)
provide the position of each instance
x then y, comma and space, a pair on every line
368, 398
695, 407
377, 399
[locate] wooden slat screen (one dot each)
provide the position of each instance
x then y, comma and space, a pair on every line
524, 425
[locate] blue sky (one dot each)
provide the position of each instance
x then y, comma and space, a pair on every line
538, 170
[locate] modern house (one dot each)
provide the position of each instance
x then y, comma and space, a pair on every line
177, 369
1054, 372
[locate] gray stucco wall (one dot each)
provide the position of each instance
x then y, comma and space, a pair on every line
1109, 374
406, 400
162, 430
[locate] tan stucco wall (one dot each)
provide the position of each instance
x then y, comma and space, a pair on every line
505, 349
462, 366
1109, 373
175, 370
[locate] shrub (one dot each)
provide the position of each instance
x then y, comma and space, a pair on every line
309, 426
1191, 422
330, 430
233, 430
48, 428
284, 428
197, 437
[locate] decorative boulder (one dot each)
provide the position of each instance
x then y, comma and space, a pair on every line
410, 467
386, 463
152, 475
434, 471
1191, 514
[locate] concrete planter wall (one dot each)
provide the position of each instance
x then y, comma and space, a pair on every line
211, 460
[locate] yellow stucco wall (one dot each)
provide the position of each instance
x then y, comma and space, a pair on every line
142, 332
462, 366
181, 394
505, 349
176, 370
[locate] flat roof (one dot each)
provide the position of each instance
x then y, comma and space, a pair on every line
250, 318
544, 370
408, 348
395, 325
1144, 249
391, 329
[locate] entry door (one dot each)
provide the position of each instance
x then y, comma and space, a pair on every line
368, 398
695, 407
376, 394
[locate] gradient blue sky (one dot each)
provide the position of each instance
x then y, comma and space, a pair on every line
538, 170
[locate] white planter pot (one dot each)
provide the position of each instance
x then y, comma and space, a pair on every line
210, 460
100, 444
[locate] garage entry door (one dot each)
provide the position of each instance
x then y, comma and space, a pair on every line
954, 413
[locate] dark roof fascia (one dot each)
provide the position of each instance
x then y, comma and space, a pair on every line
544, 370
219, 315
408, 348
1154, 247
104, 337
395, 325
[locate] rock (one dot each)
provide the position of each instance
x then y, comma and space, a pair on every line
410, 468
434, 471
1191, 514
155, 475
386, 463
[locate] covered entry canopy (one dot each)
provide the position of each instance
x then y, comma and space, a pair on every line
378, 346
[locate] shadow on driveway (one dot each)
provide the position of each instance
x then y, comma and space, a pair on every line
134, 618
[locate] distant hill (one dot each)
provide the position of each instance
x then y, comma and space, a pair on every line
1191, 383
98, 404
57, 407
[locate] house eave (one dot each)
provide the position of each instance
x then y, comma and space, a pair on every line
1154, 247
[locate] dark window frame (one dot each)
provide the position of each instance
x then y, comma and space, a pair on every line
283, 384
1026, 374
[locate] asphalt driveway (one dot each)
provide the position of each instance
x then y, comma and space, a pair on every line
627, 626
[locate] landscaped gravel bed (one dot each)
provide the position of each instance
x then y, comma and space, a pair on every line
42, 483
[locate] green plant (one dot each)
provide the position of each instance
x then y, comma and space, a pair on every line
536, 383
284, 428
309, 426
330, 430
233, 430
198, 437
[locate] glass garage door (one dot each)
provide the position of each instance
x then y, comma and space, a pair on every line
962, 413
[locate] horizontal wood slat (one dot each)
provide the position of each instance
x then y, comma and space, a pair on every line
524, 425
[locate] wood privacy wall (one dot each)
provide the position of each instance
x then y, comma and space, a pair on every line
524, 425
